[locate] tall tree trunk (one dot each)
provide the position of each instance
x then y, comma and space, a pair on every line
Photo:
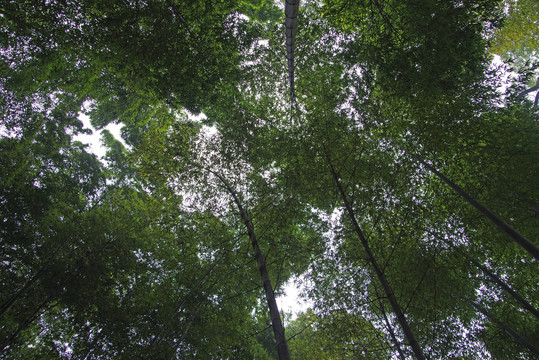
7, 304
16, 296
525, 304
516, 336
502, 225
389, 326
40, 309
7, 342
418, 352
291, 23
278, 328
186, 329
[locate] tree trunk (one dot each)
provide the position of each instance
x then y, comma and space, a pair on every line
515, 235
278, 328
525, 304
291, 24
389, 327
507, 329
7, 304
40, 309
15, 297
418, 352
7, 342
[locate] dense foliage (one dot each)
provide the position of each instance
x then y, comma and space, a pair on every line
173, 244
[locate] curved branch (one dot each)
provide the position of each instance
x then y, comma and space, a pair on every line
532, 89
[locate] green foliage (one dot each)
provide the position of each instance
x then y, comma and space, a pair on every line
321, 337
143, 254
519, 36
260, 10
418, 48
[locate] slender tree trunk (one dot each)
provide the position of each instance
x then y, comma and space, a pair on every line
390, 327
186, 329
278, 328
291, 25
507, 329
7, 304
158, 338
418, 352
525, 304
30, 319
515, 235
41, 308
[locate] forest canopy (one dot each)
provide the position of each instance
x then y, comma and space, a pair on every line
372, 151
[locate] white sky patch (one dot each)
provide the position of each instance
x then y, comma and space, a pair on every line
94, 139
291, 301
507, 76
193, 117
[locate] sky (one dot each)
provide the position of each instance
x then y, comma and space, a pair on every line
94, 139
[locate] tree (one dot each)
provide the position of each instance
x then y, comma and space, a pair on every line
291, 24
518, 36
147, 253
321, 337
